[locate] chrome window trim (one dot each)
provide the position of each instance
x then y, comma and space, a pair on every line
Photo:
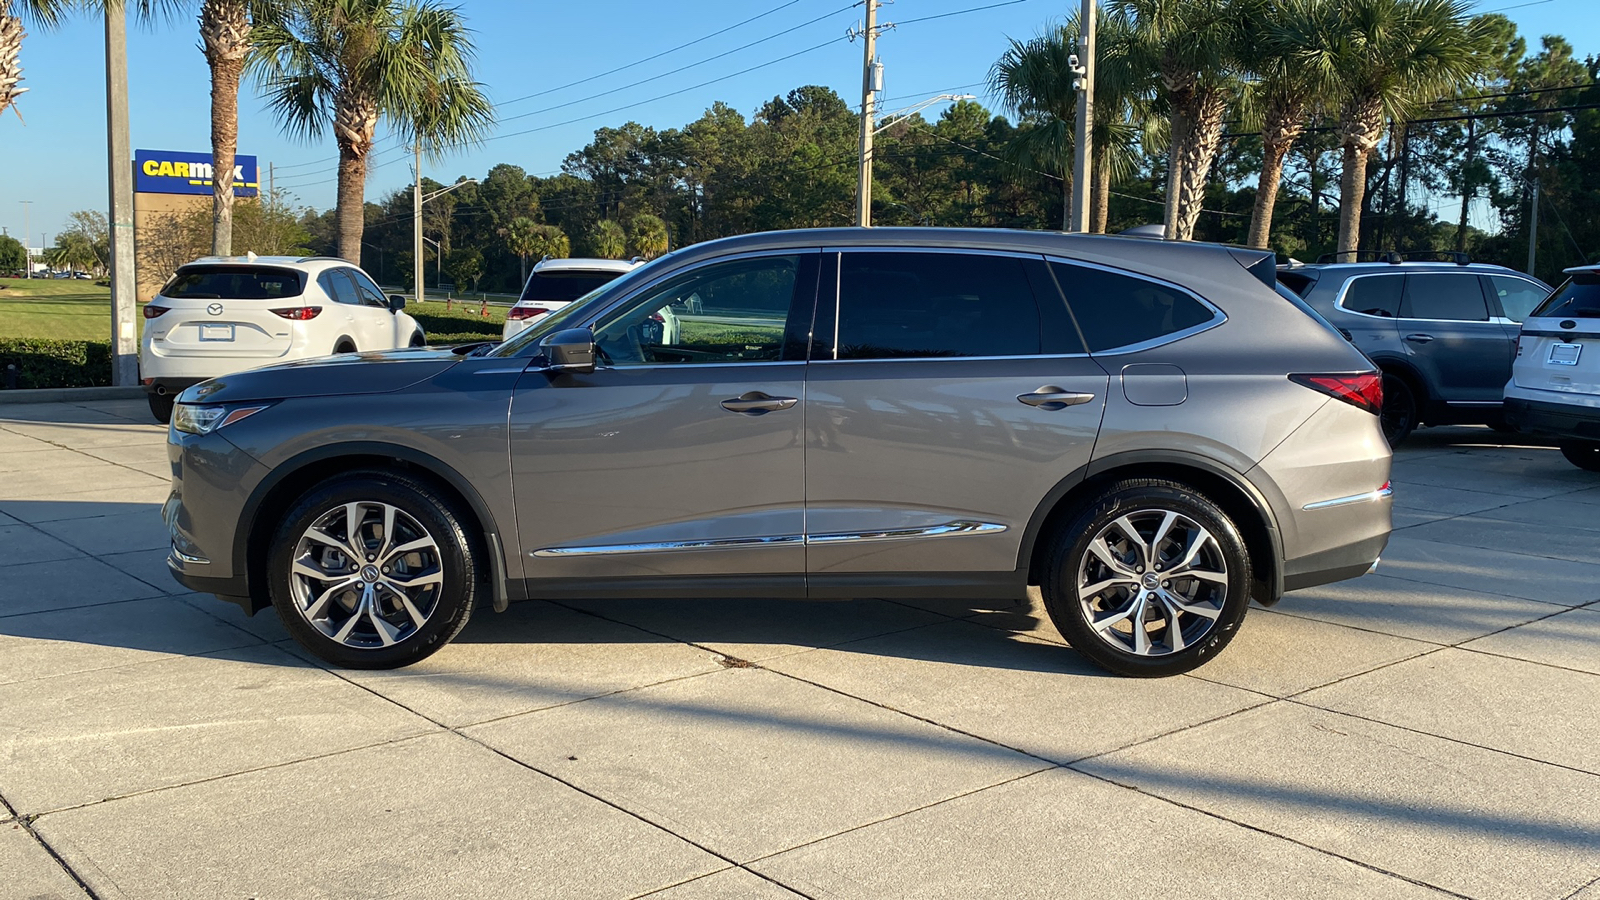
928, 359
1343, 289
955, 528
1218, 317
1379, 494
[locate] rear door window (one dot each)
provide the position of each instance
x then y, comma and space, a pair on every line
370, 293
340, 287
1579, 298
904, 305
1374, 295
562, 286
1116, 310
1447, 297
1518, 298
233, 283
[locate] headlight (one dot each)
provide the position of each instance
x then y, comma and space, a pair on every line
206, 419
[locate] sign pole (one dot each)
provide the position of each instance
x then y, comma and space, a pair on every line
124, 303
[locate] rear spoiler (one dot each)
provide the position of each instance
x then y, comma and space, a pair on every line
1263, 264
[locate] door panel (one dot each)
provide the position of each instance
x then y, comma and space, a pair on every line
1445, 330
381, 325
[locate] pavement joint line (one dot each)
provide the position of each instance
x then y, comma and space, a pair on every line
26, 824
84, 453
1574, 895
678, 884
1506, 596
37, 612
1270, 833
163, 657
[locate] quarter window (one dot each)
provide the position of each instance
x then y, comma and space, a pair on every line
1374, 295
734, 311
920, 305
1119, 310
1518, 298
1454, 297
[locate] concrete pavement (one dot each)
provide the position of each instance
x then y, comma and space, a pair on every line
1427, 731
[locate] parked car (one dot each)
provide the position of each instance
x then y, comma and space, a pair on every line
220, 315
1555, 383
554, 283
1442, 333
888, 413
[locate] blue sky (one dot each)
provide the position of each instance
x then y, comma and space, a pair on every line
57, 160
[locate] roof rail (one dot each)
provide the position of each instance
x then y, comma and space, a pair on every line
1396, 257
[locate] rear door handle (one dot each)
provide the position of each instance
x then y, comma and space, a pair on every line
1419, 338
755, 403
1052, 398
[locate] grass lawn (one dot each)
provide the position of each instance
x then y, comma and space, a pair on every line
66, 309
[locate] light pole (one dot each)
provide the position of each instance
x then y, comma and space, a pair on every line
27, 254
124, 306
417, 199
1083, 68
871, 83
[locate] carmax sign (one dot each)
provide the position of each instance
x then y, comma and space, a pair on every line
173, 172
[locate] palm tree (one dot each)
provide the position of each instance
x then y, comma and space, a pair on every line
1194, 45
522, 239
1122, 87
648, 234
550, 241
225, 39
1389, 57
1293, 66
608, 239
1034, 81
345, 64
45, 14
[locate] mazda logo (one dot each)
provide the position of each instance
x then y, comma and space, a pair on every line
215, 309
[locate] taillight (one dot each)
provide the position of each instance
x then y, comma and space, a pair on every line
525, 312
151, 310
299, 313
1364, 390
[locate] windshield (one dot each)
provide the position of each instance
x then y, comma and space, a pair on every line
576, 313
563, 285
233, 283
1579, 298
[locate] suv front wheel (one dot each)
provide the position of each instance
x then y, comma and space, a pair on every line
1149, 579
373, 570
1583, 454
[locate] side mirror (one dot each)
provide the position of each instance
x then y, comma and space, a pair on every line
396, 303
571, 350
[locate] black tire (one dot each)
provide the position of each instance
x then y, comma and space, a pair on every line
1583, 454
417, 339
343, 347
1399, 413
457, 562
160, 407
1071, 562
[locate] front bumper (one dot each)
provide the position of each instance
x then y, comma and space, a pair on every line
211, 481
1559, 420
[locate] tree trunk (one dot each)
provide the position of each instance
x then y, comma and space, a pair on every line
522, 264
355, 118
1283, 126
1360, 127
224, 39
1177, 133
1199, 149
11, 35
1066, 200
1466, 185
1101, 202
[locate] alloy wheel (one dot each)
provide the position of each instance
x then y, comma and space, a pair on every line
1152, 582
366, 574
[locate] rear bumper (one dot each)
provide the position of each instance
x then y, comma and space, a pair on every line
169, 387
1560, 420
1338, 564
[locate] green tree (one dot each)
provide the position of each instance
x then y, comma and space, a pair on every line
607, 240
345, 64
12, 254
464, 265
1389, 57
43, 13
550, 241
523, 240
90, 226
648, 235
72, 252
1034, 80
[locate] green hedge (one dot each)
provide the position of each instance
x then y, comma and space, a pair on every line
44, 363
448, 340
475, 327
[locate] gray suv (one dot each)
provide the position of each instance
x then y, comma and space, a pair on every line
1443, 333
1147, 431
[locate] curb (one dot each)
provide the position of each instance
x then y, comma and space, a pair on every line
71, 395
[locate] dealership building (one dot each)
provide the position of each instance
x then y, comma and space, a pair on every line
169, 185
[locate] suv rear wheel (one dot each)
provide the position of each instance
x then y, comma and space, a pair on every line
373, 570
1399, 413
1583, 454
161, 407
1149, 579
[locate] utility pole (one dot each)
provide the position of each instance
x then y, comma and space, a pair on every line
1083, 165
868, 66
1533, 226
124, 304
27, 237
416, 224
272, 179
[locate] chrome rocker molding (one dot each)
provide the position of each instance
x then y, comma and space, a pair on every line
1378, 494
192, 560
948, 529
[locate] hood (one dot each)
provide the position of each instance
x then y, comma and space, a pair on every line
327, 376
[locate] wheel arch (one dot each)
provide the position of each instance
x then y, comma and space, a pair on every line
345, 340
1234, 493
288, 481
1412, 376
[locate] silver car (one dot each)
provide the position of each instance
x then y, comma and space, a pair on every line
1147, 431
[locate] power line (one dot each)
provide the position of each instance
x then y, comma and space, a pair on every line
959, 12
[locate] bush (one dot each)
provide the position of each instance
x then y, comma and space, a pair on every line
449, 340
43, 363
475, 327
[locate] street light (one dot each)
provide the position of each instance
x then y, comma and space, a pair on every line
868, 129
417, 199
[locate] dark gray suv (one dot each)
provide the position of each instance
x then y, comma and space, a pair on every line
1443, 333
1147, 431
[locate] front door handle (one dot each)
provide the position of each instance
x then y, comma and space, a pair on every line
1052, 398
1419, 338
755, 403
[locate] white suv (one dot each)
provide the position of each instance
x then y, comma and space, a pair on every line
554, 283
1555, 380
219, 315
